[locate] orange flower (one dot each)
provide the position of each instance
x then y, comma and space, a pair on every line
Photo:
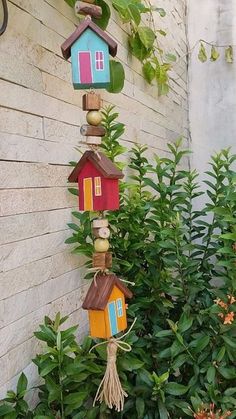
221, 315
209, 413
221, 303
229, 318
217, 301
232, 299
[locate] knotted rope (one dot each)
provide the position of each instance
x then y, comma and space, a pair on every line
106, 272
110, 389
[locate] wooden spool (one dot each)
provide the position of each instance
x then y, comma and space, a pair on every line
93, 141
102, 260
99, 223
92, 131
102, 232
85, 9
91, 102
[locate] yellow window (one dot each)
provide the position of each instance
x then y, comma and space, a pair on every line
98, 186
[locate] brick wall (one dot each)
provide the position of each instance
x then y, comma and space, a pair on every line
40, 116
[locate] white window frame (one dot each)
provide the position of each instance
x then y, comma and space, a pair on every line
98, 186
119, 307
98, 61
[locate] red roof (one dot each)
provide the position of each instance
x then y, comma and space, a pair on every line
100, 290
87, 23
107, 168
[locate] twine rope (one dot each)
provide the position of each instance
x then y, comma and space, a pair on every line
106, 272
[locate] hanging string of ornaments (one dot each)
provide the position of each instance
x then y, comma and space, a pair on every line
98, 178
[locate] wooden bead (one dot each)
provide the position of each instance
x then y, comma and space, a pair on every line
91, 102
93, 140
108, 260
94, 118
91, 131
99, 260
98, 223
83, 8
103, 232
102, 260
101, 245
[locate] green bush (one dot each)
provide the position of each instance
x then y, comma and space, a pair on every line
184, 339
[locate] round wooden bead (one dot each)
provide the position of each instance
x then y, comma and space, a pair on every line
104, 232
101, 245
94, 118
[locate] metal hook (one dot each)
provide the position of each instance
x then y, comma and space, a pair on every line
5, 17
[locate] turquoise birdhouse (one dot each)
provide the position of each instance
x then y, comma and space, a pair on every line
89, 48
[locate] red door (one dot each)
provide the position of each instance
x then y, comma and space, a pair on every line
85, 67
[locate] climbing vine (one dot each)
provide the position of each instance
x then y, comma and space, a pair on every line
214, 53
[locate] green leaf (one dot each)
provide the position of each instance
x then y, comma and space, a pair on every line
140, 407
200, 343
73, 191
5, 409
185, 323
161, 32
228, 236
230, 342
229, 55
161, 11
134, 13
147, 36
22, 384
221, 354
106, 14
49, 368
130, 363
202, 55
138, 49
75, 398
163, 412
148, 72
71, 2
211, 373
117, 77
176, 389
214, 54
170, 57
227, 373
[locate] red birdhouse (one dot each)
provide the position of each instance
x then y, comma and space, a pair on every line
98, 180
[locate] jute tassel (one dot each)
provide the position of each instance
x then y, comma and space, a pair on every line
110, 389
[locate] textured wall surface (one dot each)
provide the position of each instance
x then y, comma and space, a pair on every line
212, 104
40, 116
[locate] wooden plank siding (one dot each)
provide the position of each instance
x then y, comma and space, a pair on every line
40, 120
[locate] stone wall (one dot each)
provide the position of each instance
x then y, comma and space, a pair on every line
212, 104
40, 116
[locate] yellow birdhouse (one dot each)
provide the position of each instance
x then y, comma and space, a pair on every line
105, 302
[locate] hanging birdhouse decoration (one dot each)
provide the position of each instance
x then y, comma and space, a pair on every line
89, 48
98, 181
105, 301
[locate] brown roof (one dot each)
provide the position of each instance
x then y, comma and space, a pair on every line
107, 168
100, 290
87, 23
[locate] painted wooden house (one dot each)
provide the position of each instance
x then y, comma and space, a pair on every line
105, 302
89, 48
98, 180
